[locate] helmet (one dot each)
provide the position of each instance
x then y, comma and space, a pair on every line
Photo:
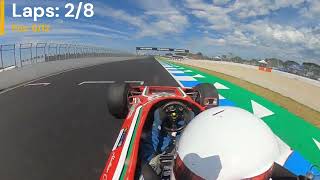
226, 143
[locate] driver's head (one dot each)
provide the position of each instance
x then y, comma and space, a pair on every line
226, 143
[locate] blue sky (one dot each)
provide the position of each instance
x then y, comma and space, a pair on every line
286, 29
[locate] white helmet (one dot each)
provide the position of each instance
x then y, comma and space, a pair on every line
226, 143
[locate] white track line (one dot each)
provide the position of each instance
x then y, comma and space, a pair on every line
108, 82
96, 82
140, 82
37, 84
46, 76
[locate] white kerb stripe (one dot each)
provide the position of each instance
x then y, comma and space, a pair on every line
124, 152
316, 142
185, 78
174, 77
176, 72
221, 97
220, 86
172, 68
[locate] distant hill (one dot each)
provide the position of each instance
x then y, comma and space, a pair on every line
307, 69
274, 62
290, 63
311, 70
311, 66
254, 62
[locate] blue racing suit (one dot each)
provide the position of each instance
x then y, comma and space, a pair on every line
158, 140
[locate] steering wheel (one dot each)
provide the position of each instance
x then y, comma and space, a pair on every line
175, 112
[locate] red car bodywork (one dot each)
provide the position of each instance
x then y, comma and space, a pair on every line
122, 160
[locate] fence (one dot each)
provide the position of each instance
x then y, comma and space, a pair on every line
19, 55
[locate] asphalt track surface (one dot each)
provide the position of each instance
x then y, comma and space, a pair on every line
63, 131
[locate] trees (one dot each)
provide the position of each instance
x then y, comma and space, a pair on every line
290, 63
199, 54
274, 62
312, 68
237, 59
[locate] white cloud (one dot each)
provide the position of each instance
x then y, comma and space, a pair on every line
103, 28
275, 32
219, 17
236, 29
240, 39
266, 34
168, 19
173, 23
271, 40
106, 11
252, 8
312, 10
218, 20
216, 16
157, 19
221, 2
236, 38
213, 41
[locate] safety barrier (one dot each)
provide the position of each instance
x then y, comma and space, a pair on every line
19, 55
